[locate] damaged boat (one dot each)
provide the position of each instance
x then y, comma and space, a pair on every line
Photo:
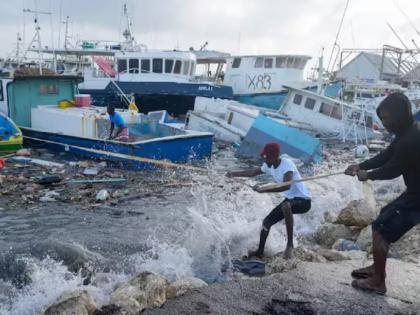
33, 103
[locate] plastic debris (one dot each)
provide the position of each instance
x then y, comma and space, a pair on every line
22, 159
91, 171
102, 195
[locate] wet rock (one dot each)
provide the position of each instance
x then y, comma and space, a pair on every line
102, 195
146, 290
328, 233
80, 303
278, 264
364, 240
185, 284
109, 310
289, 307
14, 270
359, 212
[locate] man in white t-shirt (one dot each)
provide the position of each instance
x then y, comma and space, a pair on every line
297, 197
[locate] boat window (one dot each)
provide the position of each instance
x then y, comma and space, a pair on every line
369, 121
236, 63
177, 68
297, 99
290, 62
326, 109
48, 89
122, 65
1, 91
133, 65
281, 62
145, 66
337, 112
157, 65
310, 103
186, 67
268, 63
169, 63
332, 110
259, 62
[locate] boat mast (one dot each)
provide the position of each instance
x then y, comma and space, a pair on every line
37, 36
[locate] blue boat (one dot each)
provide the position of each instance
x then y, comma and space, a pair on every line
82, 131
417, 115
293, 142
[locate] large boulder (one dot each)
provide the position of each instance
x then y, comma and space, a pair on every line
277, 264
185, 284
145, 290
359, 212
328, 233
80, 303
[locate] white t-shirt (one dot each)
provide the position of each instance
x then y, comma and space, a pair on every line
296, 189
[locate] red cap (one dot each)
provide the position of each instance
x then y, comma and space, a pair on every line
271, 150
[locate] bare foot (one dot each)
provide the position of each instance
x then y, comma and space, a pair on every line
370, 285
288, 252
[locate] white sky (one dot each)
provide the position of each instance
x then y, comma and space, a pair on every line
235, 26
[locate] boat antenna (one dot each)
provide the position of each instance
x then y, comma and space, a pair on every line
407, 17
401, 41
336, 37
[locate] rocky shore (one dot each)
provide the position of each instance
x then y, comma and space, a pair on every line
315, 281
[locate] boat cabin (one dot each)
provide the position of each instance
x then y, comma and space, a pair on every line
328, 115
264, 73
155, 66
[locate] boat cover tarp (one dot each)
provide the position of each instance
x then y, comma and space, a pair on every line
293, 142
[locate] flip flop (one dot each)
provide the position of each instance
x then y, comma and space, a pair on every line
362, 285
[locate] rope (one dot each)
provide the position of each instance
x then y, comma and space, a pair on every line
271, 186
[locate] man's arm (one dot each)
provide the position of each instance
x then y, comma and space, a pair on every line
288, 177
245, 173
377, 161
392, 169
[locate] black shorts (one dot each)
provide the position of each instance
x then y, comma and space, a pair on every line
398, 217
299, 205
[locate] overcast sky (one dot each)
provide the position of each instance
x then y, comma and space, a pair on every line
235, 26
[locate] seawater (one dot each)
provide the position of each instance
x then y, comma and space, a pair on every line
194, 230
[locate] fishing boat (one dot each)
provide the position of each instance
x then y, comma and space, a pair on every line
251, 127
33, 103
332, 118
120, 73
10, 135
260, 79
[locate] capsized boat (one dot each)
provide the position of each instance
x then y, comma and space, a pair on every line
10, 135
33, 105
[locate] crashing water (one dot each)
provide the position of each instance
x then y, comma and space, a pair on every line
194, 230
